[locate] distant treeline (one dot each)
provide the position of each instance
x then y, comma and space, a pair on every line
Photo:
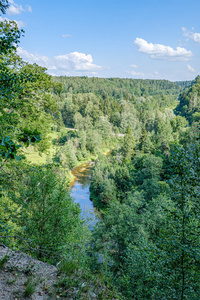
121, 88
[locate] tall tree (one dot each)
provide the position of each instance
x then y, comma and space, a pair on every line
128, 144
182, 233
47, 213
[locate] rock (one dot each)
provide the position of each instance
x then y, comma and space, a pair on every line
17, 269
93, 295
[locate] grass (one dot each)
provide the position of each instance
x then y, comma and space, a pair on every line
30, 289
83, 285
3, 260
11, 281
34, 157
68, 267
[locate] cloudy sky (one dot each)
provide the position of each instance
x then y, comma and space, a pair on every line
157, 39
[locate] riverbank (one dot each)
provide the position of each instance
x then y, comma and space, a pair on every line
79, 171
33, 156
80, 192
84, 164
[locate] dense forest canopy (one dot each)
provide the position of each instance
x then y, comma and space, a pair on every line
146, 242
118, 87
189, 104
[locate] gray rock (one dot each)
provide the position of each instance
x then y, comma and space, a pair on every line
15, 272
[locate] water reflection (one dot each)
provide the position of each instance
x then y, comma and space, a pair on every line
81, 194
83, 174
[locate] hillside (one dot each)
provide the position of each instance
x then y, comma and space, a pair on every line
146, 191
120, 88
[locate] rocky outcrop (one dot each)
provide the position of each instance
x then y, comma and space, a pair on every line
23, 277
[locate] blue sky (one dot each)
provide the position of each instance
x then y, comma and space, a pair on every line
157, 39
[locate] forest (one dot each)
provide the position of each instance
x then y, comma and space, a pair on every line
145, 189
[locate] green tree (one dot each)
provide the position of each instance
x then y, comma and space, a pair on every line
47, 216
189, 101
128, 144
151, 174
3, 6
180, 237
25, 105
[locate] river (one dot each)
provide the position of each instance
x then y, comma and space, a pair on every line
80, 192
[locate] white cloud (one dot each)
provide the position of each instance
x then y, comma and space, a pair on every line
66, 35
158, 51
195, 36
41, 60
53, 68
19, 23
3, 19
134, 66
133, 73
15, 9
191, 69
74, 63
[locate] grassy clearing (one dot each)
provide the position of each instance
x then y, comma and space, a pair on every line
33, 156
36, 158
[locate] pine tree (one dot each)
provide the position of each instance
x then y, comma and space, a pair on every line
128, 144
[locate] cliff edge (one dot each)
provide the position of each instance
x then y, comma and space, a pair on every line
23, 277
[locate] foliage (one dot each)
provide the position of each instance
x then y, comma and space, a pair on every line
120, 88
189, 102
127, 148
47, 214
146, 243
181, 233
150, 242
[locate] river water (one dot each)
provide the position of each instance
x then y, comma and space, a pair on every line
80, 192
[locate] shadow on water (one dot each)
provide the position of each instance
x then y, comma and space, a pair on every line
81, 194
